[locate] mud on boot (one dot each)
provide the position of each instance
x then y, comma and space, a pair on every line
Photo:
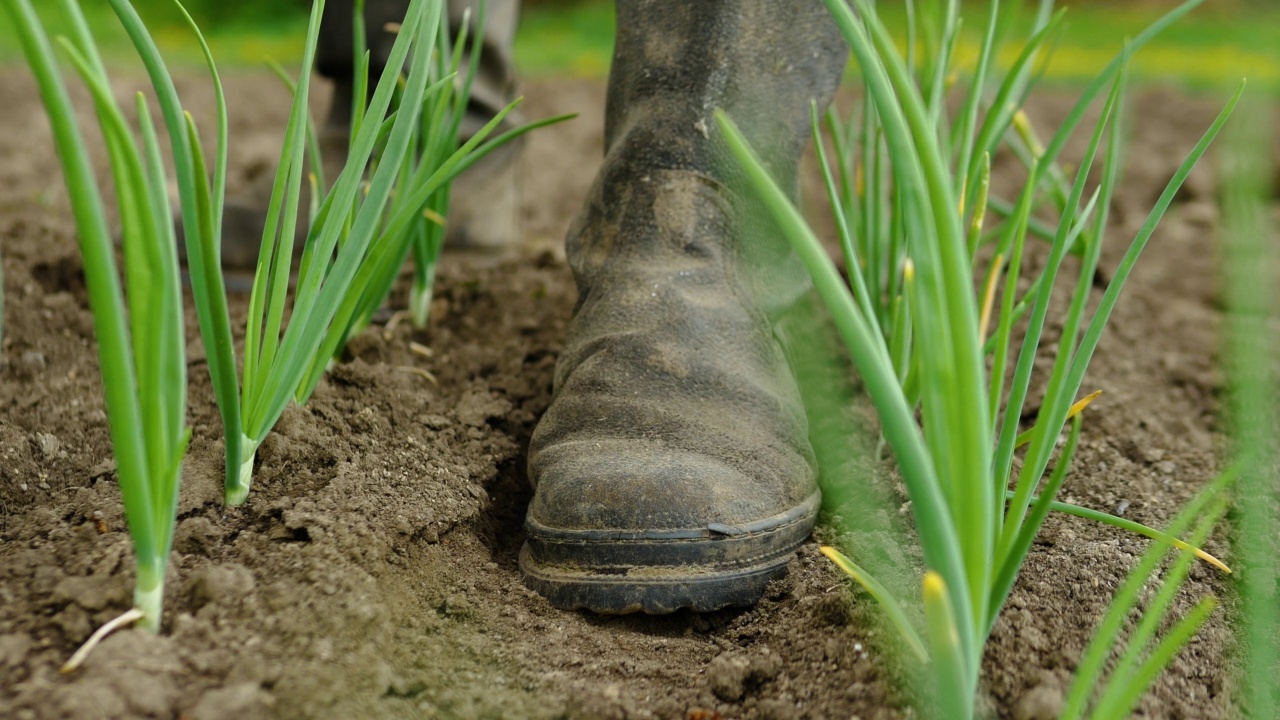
673, 468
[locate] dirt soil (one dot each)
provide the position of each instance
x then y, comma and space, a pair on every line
372, 573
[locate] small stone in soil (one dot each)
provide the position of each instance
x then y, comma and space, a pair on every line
245, 701
598, 703
219, 584
1042, 702
149, 694
196, 536
727, 676
90, 698
92, 592
406, 688
435, 422
456, 606
49, 445
731, 676
779, 709
32, 362
13, 649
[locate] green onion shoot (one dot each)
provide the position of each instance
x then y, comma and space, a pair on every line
910, 190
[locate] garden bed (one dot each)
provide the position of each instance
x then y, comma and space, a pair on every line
373, 571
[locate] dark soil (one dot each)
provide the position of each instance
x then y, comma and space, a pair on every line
373, 572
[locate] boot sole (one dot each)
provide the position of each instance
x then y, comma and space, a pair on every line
661, 571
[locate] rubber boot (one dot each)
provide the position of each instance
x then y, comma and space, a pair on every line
673, 469
485, 202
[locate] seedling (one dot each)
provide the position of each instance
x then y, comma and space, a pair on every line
435, 149
1141, 658
401, 159
417, 214
277, 359
1248, 283
917, 332
141, 345
140, 333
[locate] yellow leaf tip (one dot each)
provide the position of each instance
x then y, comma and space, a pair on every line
1083, 403
934, 585
1212, 561
829, 551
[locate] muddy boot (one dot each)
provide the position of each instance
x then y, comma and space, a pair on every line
484, 212
672, 469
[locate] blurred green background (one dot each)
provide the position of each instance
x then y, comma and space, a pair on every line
1220, 42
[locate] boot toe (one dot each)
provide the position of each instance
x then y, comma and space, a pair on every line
671, 553
637, 523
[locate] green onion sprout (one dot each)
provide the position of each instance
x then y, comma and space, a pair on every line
391, 194
139, 326
910, 212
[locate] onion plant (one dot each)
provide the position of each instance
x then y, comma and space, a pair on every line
141, 345
911, 216
278, 357
417, 213
1140, 657
411, 225
403, 154
364, 219
1248, 278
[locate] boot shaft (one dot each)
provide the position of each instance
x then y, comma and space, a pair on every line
762, 61
666, 179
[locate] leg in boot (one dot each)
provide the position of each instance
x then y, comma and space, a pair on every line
673, 467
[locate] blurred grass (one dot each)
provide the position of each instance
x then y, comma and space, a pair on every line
238, 39
1209, 51
566, 39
